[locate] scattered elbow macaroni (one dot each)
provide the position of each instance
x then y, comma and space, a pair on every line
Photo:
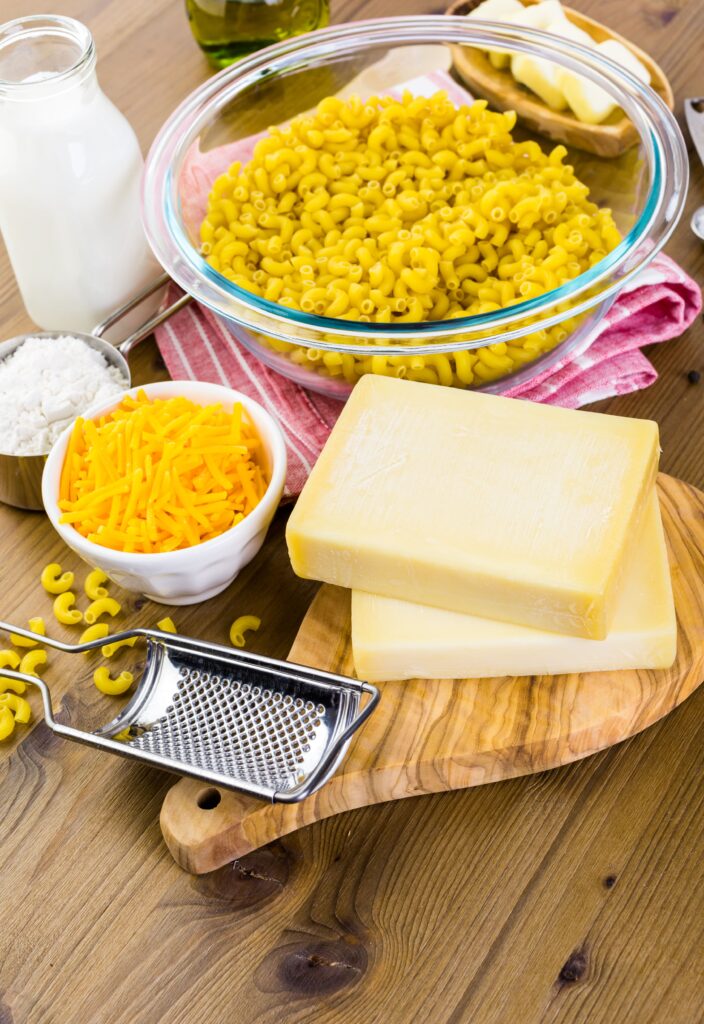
98, 631
7, 723
12, 709
397, 211
35, 626
155, 476
102, 606
63, 610
109, 649
113, 687
9, 659
18, 705
92, 585
240, 626
32, 660
54, 581
16, 685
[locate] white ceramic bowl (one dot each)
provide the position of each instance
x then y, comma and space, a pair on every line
191, 574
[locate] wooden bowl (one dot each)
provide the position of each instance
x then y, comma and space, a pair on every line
609, 139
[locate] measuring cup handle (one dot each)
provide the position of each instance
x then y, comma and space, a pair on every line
104, 325
126, 346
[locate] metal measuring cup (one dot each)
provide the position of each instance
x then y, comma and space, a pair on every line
21, 475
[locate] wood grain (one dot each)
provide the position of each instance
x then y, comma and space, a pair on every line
561, 898
428, 736
609, 139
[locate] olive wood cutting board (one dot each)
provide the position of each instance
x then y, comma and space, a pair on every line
428, 736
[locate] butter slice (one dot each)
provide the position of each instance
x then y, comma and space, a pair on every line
397, 640
544, 77
498, 10
474, 503
589, 101
541, 76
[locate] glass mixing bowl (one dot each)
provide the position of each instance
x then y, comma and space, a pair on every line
644, 187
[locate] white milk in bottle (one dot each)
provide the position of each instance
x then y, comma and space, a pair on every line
70, 168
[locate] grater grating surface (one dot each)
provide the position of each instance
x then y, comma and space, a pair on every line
263, 727
235, 727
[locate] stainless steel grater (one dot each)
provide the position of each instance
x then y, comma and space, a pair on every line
260, 726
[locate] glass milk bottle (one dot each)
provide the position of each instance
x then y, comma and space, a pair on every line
70, 168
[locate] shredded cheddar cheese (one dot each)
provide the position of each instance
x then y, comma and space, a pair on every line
159, 475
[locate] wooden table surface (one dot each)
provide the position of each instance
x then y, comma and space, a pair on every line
572, 896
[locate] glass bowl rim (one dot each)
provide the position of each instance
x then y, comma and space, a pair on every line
659, 133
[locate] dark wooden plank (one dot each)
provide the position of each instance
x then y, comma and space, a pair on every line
567, 897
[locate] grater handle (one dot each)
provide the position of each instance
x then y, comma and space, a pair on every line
67, 731
329, 763
23, 677
59, 645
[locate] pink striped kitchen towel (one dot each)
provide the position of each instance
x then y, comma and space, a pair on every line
660, 304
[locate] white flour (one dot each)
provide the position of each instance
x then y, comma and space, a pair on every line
44, 385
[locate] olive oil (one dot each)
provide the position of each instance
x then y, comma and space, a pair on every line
229, 29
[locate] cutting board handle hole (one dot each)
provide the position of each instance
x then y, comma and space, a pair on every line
208, 799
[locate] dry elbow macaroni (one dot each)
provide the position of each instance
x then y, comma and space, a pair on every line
63, 610
394, 211
98, 631
35, 625
54, 581
32, 660
9, 659
109, 649
113, 687
16, 685
92, 585
240, 626
12, 709
7, 722
102, 606
18, 705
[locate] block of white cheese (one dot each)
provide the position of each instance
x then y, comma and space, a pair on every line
397, 640
587, 100
475, 503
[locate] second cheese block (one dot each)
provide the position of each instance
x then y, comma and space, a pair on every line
479, 504
397, 640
